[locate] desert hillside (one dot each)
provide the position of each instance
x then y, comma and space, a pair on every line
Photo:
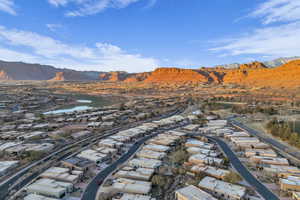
255, 74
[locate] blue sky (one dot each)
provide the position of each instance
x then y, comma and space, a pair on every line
140, 35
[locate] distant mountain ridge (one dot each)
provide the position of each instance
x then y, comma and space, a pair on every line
25, 71
255, 74
273, 63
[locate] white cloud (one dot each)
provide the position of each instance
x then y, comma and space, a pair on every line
280, 40
7, 6
58, 2
274, 39
53, 27
11, 55
89, 8
92, 7
101, 57
278, 11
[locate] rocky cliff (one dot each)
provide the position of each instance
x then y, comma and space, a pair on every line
4, 76
253, 74
176, 75
286, 76
59, 77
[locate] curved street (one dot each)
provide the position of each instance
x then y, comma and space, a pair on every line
243, 171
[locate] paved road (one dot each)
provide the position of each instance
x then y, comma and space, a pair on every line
243, 171
91, 190
268, 140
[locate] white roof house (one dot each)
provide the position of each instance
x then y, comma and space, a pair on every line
198, 143
260, 152
193, 193
151, 154
211, 171
92, 155
202, 158
156, 147
269, 160
196, 150
62, 174
145, 163
248, 140
135, 197
221, 188
49, 187
132, 186
143, 174
37, 197
290, 183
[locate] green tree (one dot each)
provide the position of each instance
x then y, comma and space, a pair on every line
294, 139
159, 180
232, 177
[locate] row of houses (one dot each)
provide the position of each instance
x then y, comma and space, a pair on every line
133, 179
54, 183
263, 156
206, 159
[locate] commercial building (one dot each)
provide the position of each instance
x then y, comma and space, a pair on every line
192, 193
223, 189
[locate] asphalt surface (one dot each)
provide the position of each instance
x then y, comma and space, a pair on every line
268, 140
243, 171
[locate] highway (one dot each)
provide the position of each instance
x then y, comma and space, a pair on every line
10, 184
268, 140
243, 171
91, 190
